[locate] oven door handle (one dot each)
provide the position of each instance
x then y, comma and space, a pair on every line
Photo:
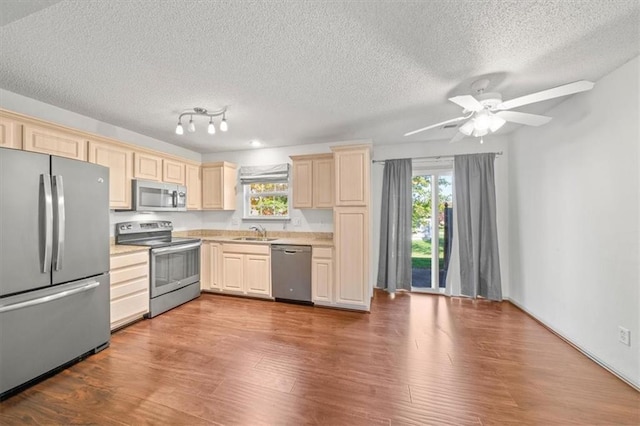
176, 248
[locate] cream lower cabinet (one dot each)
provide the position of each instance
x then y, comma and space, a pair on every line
351, 239
129, 287
210, 266
246, 269
322, 276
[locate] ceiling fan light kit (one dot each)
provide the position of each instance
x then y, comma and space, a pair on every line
211, 128
487, 113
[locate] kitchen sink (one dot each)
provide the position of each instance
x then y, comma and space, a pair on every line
253, 239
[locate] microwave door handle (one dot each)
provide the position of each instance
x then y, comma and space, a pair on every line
174, 198
59, 229
48, 221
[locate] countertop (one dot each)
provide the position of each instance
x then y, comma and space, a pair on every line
122, 249
316, 239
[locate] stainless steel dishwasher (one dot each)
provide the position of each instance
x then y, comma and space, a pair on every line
291, 273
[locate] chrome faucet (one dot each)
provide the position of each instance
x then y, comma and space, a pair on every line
260, 230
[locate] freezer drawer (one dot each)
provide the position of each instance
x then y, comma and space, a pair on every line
44, 329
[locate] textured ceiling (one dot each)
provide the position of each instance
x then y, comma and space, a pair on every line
305, 71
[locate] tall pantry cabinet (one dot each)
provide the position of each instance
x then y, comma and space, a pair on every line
352, 164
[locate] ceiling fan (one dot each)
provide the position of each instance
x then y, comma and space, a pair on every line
486, 112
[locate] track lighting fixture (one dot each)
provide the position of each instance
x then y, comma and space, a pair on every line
211, 129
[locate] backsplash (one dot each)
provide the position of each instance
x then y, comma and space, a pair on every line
305, 221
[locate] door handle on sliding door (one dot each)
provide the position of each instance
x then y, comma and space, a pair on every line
45, 180
58, 192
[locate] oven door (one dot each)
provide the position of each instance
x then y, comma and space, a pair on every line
174, 267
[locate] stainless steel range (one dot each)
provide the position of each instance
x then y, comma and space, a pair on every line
174, 262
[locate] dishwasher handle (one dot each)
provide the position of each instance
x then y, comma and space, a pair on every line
290, 249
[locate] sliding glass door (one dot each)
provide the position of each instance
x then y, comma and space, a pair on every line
432, 228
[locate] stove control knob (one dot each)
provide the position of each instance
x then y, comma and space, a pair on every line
122, 227
128, 226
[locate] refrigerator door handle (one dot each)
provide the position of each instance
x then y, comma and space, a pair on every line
51, 297
45, 180
58, 188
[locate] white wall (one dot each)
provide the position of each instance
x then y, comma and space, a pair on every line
494, 143
302, 220
43, 111
182, 221
574, 216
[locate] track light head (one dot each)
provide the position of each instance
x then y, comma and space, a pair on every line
211, 128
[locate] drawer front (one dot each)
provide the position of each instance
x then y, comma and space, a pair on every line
128, 308
122, 260
130, 273
130, 287
246, 248
323, 252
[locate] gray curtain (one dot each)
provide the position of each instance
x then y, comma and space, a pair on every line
394, 264
477, 230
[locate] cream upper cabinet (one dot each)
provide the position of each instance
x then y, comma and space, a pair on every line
119, 160
302, 182
351, 238
313, 181
147, 166
194, 187
246, 269
352, 173
323, 182
322, 275
55, 142
173, 171
10, 133
219, 182
129, 287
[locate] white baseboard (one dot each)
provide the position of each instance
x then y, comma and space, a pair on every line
588, 354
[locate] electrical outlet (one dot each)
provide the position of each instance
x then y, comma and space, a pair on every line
624, 336
235, 221
297, 221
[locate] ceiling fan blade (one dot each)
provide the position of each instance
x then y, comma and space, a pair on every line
458, 136
524, 118
556, 92
468, 102
453, 120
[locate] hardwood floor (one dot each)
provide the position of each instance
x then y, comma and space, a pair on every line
415, 360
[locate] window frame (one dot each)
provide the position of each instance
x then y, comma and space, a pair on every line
246, 201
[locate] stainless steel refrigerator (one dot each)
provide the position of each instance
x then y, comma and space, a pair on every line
54, 264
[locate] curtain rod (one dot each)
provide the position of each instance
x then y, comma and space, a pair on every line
437, 157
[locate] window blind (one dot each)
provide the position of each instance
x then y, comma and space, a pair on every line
273, 173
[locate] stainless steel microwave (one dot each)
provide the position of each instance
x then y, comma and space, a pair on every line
151, 196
